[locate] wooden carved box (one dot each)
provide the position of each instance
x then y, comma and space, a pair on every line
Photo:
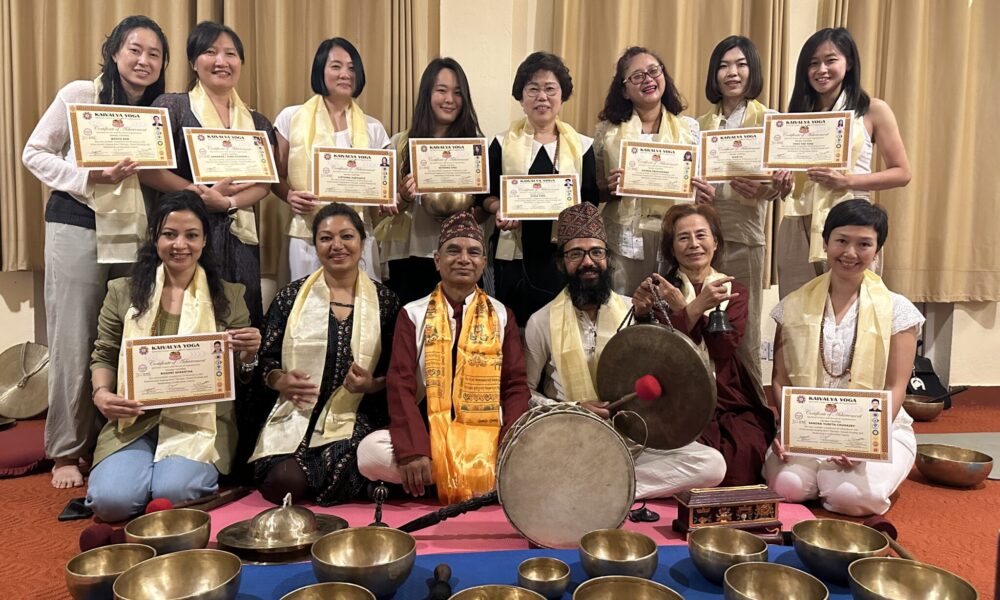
752, 507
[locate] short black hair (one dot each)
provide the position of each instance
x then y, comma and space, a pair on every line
754, 86
338, 209
203, 36
319, 65
542, 61
112, 91
618, 108
860, 212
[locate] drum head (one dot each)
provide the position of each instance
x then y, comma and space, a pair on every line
563, 474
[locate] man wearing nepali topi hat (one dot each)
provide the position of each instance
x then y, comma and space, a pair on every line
565, 338
461, 351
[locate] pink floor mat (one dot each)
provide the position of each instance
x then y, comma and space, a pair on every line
479, 531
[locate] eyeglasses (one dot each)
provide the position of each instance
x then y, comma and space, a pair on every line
639, 76
532, 91
595, 254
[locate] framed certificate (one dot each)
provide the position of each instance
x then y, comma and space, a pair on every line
450, 165
730, 153
354, 176
537, 197
798, 141
104, 134
656, 170
179, 370
829, 422
244, 155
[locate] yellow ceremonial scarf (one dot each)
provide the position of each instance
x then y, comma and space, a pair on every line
517, 145
304, 348
311, 126
800, 332
244, 227
576, 376
119, 214
463, 451
396, 228
753, 116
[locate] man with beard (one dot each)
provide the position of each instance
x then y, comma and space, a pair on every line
564, 340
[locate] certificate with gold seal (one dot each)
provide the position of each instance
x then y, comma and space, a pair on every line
657, 170
799, 141
354, 176
450, 165
537, 197
244, 155
179, 370
832, 422
730, 153
104, 134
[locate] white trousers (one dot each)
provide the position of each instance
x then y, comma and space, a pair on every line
302, 259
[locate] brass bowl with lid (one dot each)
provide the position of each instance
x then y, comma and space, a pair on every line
285, 528
171, 530
90, 574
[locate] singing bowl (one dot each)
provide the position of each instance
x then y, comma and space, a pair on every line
767, 581
828, 546
187, 575
496, 592
90, 575
330, 591
921, 408
618, 552
171, 530
898, 579
951, 465
546, 576
715, 549
616, 587
377, 558
442, 205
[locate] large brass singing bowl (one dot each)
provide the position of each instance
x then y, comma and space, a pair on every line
377, 558
898, 579
769, 581
715, 549
921, 409
951, 465
187, 575
546, 576
496, 592
327, 591
90, 575
618, 552
618, 587
442, 205
171, 530
828, 546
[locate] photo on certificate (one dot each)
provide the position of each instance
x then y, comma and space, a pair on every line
800, 141
537, 197
354, 176
450, 165
105, 134
822, 422
179, 370
657, 170
216, 154
730, 153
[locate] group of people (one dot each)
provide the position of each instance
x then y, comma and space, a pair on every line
410, 340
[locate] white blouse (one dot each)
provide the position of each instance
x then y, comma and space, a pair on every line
377, 137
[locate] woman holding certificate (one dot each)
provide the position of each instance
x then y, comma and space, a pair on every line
525, 274
331, 117
845, 329
215, 54
175, 288
828, 78
327, 341
743, 425
84, 242
642, 105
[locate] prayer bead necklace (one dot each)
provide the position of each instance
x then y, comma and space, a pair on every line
822, 349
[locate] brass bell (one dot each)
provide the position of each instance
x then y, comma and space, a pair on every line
718, 321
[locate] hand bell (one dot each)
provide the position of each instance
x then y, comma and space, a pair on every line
718, 321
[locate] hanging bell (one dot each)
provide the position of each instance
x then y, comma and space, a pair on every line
718, 321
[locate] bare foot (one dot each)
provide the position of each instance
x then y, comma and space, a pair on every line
66, 473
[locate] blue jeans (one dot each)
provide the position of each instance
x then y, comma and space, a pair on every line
122, 484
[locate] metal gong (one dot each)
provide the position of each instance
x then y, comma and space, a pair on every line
679, 415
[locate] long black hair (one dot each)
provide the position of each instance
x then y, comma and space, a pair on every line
143, 277
618, 108
805, 98
112, 91
754, 83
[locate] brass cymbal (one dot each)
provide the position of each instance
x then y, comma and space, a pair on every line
278, 530
679, 415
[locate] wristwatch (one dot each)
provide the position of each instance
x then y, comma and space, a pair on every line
232, 210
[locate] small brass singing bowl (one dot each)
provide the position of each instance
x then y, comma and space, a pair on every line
171, 530
767, 581
90, 575
618, 552
921, 408
547, 576
376, 558
715, 549
896, 579
496, 592
828, 546
187, 575
616, 587
327, 591
951, 465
